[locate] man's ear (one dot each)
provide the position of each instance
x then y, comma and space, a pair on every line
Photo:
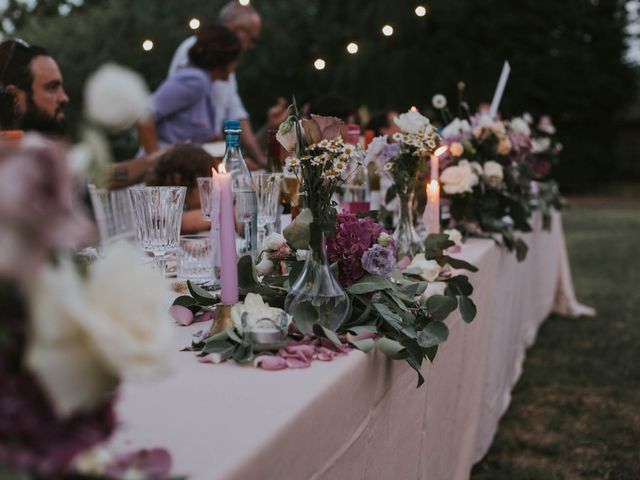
20, 97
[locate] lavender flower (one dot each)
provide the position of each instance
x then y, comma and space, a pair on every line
379, 260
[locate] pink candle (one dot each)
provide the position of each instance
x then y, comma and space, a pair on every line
228, 255
215, 224
432, 210
435, 162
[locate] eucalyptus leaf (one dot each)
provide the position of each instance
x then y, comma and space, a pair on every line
365, 345
414, 289
220, 336
468, 309
434, 245
185, 301
431, 353
394, 320
440, 306
243, 353
234, 336
459, 264
363, 329
368, 284
416, 366
200, 294
433, 334
389, 347
305, 316
461, 284
323, 331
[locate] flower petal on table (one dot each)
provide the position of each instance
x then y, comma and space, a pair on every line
182, 315
270, 362
212, 358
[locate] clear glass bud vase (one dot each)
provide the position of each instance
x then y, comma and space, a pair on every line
406, 238
316, 295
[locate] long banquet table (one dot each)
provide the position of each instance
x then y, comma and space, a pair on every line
360, 416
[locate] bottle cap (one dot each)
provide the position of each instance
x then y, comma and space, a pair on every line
232, 125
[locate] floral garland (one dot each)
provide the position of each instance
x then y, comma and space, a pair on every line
393, 311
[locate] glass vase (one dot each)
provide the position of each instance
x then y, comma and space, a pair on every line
406, 238
316, 295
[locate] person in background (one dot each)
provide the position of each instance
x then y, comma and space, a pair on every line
32, 95
183, 107
245, 22
180, 166
382, 123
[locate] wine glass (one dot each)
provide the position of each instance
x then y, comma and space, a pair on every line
204, 188
268, 190
158, 213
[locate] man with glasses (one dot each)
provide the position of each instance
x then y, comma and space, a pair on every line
245, 22
32, 95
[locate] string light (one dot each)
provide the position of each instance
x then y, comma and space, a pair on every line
244, 3
147, 45
387, 30
421, 10
194, 24
352, 48
319, 64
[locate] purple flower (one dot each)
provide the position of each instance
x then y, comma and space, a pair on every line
389, 152
379, 260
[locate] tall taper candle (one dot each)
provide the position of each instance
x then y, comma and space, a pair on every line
215, 227
502, 83
432, 210
435, 162
228, 255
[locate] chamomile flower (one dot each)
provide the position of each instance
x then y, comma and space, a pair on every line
292, 162
323, 143
348, 149
330, 174
340, 164
398, 137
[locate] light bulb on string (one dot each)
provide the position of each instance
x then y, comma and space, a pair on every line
319, 64
147, 45
194, 24
387, 30
421, 10
244, 3
352, 48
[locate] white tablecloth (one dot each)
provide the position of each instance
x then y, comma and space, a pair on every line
360, 416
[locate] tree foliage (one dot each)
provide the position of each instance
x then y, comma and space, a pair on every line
567, 57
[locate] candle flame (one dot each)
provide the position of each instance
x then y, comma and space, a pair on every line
221, 168
440, 150
433, 185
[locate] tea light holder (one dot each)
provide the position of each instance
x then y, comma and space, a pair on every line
266, 334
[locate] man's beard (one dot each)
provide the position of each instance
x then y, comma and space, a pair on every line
37, 119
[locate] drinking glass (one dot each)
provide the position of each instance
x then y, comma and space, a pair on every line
194, 259
268, 190
158, 213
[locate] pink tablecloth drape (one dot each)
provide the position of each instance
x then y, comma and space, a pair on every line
360, 416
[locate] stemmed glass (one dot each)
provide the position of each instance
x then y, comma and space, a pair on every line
268, 190
158, 213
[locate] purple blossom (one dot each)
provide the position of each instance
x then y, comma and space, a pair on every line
379, 260
389, 152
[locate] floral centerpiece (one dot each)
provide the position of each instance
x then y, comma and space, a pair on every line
402, 313
406, 162
323, 162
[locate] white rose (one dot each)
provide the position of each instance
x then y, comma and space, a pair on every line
439, 101
458, 178
520, 125
301, 255
527, 117
115, 97
456, 149
287, 135
427, 269
256, 310
476, 168
455, 236
87, 333
274, 241
375, 148
493, 173
265, 267
456, 128
539, 145
411, 122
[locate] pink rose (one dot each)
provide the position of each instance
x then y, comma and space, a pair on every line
321, 128
37, 214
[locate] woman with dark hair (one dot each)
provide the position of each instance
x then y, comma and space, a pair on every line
181, 165
182, 107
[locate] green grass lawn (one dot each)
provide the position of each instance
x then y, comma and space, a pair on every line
576, 409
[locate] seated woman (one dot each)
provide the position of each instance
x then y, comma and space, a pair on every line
182, 107
181, 166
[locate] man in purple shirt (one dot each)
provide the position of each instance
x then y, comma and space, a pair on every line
183, 107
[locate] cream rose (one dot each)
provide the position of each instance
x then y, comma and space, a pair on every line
427, 269
459, 178
87, 333
493, 173
256, 310
412, 122
520, 125
115, 97
265, 267
274, 241
456, 128
539, 145
375, 148
504, 145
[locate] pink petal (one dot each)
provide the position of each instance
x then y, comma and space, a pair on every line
404, 262
306, 351
454, 249
293, 362
182, 315
203, 317
270, 362
212, 358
